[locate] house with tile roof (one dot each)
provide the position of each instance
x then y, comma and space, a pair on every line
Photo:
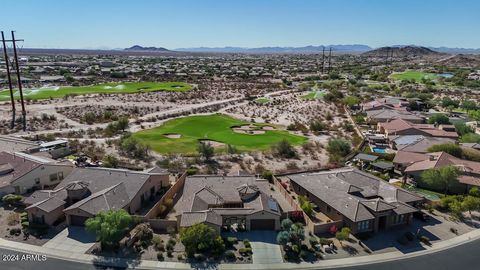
397, 127
469, 170
364, 202
21, 173
87, 191
228, 201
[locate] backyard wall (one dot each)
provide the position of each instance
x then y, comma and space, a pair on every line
172, 193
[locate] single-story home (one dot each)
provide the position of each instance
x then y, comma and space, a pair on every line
398, 127
21, 173
228, 201
87, 191
363, 202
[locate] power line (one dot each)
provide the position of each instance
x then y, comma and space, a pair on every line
10, 87
19, 79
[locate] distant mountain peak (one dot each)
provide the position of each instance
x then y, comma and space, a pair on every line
401, 51
146, 49
353, 48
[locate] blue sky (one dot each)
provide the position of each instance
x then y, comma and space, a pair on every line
243, 23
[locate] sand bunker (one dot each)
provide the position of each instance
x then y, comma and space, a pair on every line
173, 136
252, 129
213, 143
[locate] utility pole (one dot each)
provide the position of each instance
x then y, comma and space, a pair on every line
10, 87
323, 59
330, 60
19, 81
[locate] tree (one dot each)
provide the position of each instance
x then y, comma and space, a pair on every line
285, 149
338, 147
134, 148
439, 118
475, 192
109, 226
267, 175
122, 124
351, 101
292, 233
11, 199
443, 178
470, 138
449, 103
468, 105
463, 129
206, 150
306, 205
449, 148
470, 204
201, 238
343, 235
110, 161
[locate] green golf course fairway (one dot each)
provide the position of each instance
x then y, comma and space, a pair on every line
215, 127
114, 88
413, 74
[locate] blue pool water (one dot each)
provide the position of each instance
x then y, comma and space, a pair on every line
378, 150
445, 75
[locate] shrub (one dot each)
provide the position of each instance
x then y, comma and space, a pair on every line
160, 256
410, 236
157, 241
180, 257
453, 230
313, 241
11, 199
231, 241
303, 254
424, 239
25, 224
15, 231
325, 241
245, 251
199, 257
246, 243
229, 254
268, 175
169, 254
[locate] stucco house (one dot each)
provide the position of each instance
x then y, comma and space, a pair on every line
87, 191
228, 201
362, 201
397, 127
21, 173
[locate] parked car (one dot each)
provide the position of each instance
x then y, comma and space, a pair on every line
421, 216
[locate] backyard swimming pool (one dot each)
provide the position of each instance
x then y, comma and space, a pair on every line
378, 150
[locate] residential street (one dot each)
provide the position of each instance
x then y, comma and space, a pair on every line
461, 257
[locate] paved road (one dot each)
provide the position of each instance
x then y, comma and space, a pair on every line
464, 257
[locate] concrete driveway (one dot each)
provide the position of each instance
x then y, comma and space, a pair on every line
264, 246
74, 239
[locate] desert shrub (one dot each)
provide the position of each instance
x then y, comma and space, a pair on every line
229, 254
160, 256
325, 241
245, 251
13, 219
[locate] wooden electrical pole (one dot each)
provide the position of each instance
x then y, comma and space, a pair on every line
19, 81
10, 87
330, 60
323, 59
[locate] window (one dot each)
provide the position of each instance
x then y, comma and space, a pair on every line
37, 181
53, 177
60, 176
363, 225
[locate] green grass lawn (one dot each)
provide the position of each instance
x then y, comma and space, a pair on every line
215, 127
413, 74
262, 100
127, 87
313, 95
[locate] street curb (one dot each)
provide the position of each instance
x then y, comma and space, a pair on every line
323, 264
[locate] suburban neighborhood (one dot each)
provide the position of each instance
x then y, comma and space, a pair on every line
239, 135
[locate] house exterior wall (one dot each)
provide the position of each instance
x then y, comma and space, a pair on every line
49, 217
40, 177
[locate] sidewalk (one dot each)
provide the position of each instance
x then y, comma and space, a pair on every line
119, 262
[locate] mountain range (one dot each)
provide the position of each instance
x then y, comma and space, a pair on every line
353, 48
